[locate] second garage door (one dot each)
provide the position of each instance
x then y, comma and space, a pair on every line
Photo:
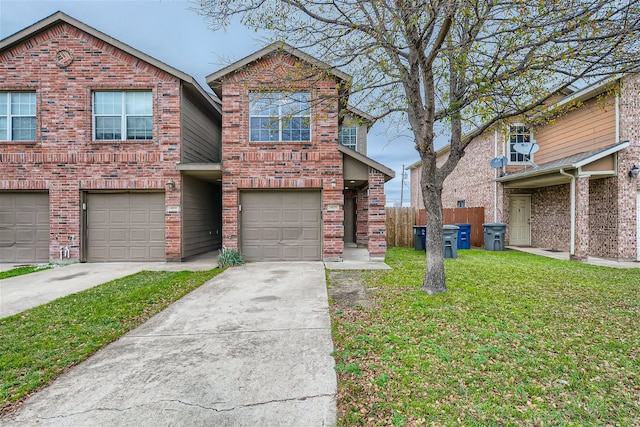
125, 227
281, 225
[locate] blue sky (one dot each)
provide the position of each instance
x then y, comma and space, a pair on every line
172, 33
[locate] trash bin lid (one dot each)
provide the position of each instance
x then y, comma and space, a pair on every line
463, 225
494, 224
450, 227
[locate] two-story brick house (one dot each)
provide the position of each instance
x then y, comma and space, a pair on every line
294, 186
578, 193
107, 154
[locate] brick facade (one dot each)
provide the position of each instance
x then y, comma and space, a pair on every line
309, 165
64, 159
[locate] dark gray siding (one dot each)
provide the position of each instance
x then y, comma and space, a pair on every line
202, 207
201, 130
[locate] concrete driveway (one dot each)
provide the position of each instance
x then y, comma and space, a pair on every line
250, 347
23, 292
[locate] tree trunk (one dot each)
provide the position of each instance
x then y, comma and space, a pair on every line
434, 279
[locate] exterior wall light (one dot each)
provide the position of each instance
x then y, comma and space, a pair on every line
171, 184
334, 182
633, 173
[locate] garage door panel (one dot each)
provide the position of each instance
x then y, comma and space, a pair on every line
281, 225
125, 227
290, 233
24, 227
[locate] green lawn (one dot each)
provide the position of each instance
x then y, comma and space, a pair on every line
517, 340
39, 344
19, 271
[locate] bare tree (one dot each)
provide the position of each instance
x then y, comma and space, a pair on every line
467, 65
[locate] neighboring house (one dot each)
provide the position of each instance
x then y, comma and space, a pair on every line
577, 193
107, 154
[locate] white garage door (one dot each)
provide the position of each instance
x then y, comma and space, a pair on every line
24, 227
125, 227
281, 225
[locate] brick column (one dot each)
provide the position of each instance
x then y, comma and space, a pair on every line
581, 220
377, 216
362, 219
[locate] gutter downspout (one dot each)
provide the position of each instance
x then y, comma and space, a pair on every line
495, 177
573, 210
617, 108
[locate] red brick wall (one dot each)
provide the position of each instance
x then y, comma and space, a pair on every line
309, 165
64, 159
377, 216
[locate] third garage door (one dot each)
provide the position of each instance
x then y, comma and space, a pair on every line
125, 227
281, 225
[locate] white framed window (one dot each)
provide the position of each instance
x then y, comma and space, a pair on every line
17, 116
519, 134
279, 116
348, 136
121, 116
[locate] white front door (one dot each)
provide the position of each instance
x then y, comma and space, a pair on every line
520, 220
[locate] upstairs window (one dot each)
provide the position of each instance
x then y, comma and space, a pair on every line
518, 134
280, 116
17, 116
121, 116
348, 136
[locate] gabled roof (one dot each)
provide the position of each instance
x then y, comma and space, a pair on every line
60, 17
571, 162
389, 174
214, 80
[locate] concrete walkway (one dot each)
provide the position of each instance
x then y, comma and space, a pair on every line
250, 347
603, 262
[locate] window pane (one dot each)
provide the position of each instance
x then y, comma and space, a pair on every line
295, 104
23, 104
23, 129
108, 128
3, 129
139, 128
3, 104
264, 129
263, 104
107, 103
347, 136
139, 103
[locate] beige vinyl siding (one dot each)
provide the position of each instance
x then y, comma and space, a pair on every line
590, 127
202, 227
201, 131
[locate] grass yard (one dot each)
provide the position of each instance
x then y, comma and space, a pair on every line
19, 271
39, 344
517, 340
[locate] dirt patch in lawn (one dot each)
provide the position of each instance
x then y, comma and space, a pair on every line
347, 290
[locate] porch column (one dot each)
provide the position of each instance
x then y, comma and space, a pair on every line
377, 216
581, 250
362, 219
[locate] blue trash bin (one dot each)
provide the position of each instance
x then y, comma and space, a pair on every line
419, 237
464, 236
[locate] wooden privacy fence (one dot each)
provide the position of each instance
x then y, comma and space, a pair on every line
400, 222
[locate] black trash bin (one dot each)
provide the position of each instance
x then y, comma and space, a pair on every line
464, 236
450, 241
494, 236
419, 237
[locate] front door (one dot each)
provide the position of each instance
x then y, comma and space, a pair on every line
520, 220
